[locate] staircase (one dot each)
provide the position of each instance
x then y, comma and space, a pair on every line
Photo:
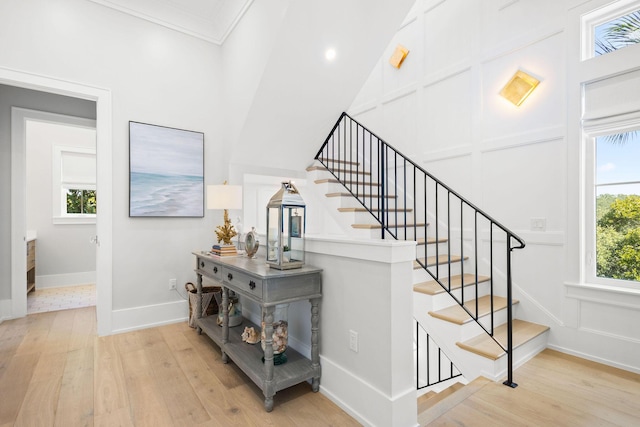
462, 272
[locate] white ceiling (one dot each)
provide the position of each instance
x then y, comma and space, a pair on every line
210, 20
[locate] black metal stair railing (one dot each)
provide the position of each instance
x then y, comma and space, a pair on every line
438, 368
404, 198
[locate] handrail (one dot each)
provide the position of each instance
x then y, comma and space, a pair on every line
344, 114
362, 161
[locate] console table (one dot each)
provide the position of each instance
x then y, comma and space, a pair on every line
253, 279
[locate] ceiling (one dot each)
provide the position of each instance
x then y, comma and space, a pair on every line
210, 20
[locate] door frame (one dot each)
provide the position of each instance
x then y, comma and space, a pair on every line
104, 186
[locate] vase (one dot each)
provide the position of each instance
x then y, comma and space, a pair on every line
280, 334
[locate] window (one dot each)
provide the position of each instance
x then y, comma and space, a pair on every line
81, 201
611, 28
617, 33
617, 206
74, 185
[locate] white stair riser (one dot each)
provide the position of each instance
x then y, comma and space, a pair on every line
521, 355
345, 202
442, 271
359, 189
367, 218
471, 328
444, 300
470, 364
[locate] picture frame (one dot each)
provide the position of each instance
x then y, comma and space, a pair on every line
166, 171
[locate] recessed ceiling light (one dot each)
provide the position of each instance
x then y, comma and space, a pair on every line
330, 54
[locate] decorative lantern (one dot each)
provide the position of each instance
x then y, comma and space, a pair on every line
286, 218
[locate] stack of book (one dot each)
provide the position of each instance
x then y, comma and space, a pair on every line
224, 250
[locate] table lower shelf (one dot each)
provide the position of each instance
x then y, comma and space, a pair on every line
248, 357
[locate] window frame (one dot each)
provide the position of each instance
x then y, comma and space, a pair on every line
60, 187
592, 129
599, 16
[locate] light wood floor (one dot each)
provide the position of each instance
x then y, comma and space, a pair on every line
554, 389
54, 371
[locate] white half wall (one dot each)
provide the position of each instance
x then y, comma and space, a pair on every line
366, 288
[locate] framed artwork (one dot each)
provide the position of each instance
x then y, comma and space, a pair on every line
166, 172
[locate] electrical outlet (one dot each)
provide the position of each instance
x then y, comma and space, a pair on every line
172, 284
538, 224
353, 341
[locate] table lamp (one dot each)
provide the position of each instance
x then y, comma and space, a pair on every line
225, 197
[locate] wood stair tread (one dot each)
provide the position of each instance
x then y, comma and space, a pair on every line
378, 226
344, 162
485, 346
454, 399
432, 287
432, 398
349, 182
350, 171
343, 194
372, 210
433, 260
456, 314
429, 240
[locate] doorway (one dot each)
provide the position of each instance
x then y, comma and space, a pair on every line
61, 204
104, 254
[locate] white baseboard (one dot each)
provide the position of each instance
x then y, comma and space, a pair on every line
148, 316
368, 405
5, 310
69, 279
597, 359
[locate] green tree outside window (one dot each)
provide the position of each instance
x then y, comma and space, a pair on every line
81, 201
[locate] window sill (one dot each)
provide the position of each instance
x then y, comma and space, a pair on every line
80, 219
608, 294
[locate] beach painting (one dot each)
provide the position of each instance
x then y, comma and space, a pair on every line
166, 168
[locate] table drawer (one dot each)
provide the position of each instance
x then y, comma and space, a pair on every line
243, 282
210, 269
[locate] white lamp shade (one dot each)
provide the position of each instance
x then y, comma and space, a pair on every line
224, 197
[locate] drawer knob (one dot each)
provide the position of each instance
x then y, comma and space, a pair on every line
215, 269
252, 285
230, 276
201, 264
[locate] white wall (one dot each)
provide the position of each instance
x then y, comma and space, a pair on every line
156, 76
295, 94
442, 108
161, 76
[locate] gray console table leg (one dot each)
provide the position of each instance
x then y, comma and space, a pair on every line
267, 313
315, 337
198, 300
225, 322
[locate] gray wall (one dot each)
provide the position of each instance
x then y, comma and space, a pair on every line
35, 100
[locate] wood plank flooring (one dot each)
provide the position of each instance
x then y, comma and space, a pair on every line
55, 371
554, 389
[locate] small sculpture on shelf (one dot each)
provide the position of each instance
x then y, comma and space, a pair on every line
249, 335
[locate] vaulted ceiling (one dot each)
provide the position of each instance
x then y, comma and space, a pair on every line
210, 20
